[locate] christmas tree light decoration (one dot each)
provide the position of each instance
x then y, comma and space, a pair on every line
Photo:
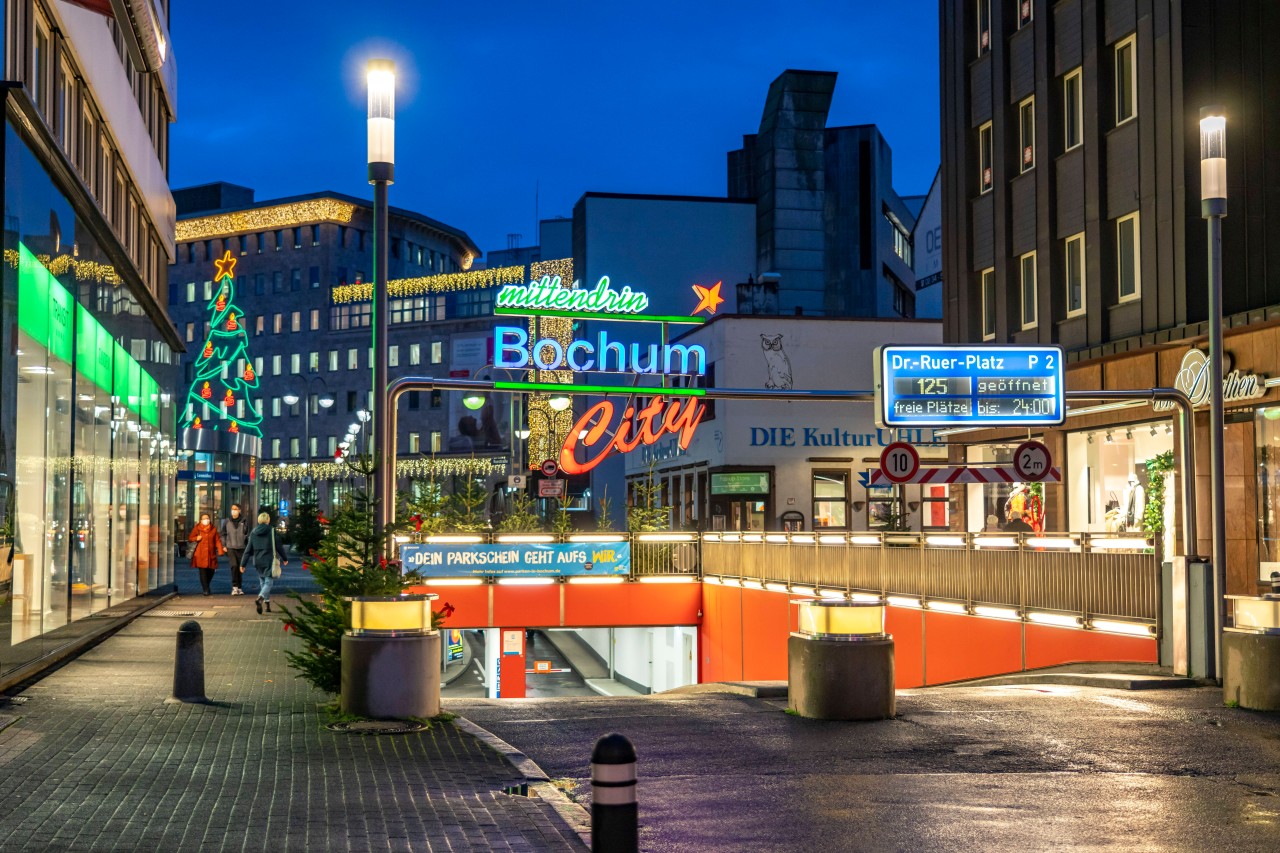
228, 342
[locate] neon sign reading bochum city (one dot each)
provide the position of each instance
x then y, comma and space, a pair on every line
670, 411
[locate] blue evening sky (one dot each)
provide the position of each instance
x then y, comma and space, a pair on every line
498, 97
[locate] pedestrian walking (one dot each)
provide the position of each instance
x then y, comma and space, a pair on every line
264, 553
235, 533
208, 547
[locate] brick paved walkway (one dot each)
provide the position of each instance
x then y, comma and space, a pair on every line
94, 759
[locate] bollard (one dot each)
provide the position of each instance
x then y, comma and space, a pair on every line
613, 796
188, 664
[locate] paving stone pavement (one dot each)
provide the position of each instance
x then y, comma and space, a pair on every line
93, 759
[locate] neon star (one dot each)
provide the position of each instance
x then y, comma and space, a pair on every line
226, 266
709, 297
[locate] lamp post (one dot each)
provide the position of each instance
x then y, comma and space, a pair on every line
381, 79
1213, 207
325, 400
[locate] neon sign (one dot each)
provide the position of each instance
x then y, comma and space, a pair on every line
548, 294
660, 417
512, 351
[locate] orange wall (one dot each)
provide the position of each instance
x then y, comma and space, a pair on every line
1049, 646
584, 605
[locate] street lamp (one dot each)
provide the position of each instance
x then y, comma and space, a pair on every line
559, 402
381, 80
1213, 207
473, 400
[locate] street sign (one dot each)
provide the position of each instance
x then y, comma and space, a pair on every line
517, 481
541, 666
549, 468
551, 488
899, 462
284, 509
1031, 461
960, 474
975, 386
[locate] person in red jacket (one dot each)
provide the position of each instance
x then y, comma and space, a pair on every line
208, 547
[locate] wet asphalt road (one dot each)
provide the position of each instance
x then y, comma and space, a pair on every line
1007, 768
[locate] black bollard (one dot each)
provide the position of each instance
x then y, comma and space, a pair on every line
614, 815
188, 664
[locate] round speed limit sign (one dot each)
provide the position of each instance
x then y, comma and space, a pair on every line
1031, 461
899, 462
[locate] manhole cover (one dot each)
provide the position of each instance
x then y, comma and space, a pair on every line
183, 613
379, 727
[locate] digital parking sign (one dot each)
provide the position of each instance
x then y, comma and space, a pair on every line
975, 386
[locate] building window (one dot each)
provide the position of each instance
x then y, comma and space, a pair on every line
1073, 269
393, 355
1024, 13
293, 448
1128, 264
275, 365
295, 363
884, 507
297, 238
313, 362
413, 443
353, 359
415, 400
1030, 311
901, 241
295, 279
259, 324
314, 276
315, 319
1126, 72
277, 282
333, 360
279, 240
1027, 134
315, 235
275, 407
257, 365
904, 301
830, 499
415, 354
986, 178
295, 321
333, 445
988, 304
436, 399
1073, 110
435, 441
935, 511
351, 401
191, 291
275, 448
277, 324
191, 332
437, 352
984, 27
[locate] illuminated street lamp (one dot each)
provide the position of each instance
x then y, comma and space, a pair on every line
559, 402
1213, 207
473, 400
381, 81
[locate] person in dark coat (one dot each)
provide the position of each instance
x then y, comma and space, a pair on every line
262, 546
234, 531
208, 547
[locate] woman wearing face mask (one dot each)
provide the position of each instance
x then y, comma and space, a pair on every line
262, 548
208, 546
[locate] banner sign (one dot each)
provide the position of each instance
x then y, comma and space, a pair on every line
517, 560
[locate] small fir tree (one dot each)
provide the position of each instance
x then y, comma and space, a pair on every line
520, 517
305, 531
225, 349
465, 507
561, 520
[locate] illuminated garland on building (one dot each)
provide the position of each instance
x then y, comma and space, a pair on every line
547, 427
82, 270
426, 467
427, 284
265, 219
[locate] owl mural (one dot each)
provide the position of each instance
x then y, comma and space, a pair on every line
779, 365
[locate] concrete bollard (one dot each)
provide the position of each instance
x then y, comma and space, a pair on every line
614, 818
188, 664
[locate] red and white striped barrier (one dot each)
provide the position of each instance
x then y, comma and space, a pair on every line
963, 474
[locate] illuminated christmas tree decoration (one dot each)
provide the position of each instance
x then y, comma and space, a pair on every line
228, 342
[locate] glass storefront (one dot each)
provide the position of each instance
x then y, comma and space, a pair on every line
988, 503
1106, 475
86, 464
1267, 450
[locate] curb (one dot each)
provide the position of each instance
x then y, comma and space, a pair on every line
1072, 679
574, 815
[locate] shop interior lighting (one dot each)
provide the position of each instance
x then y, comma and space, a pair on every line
668, 579
774, 586
831, 593
526, 581
1110, 440
1168, 429
945, 541
903, 601
1112, 626
525, 538
454, 582
591, 580
831, 539
455, 539
1062, 620
1153, 430
1089, 437
992, 612
1128, 433
948, 607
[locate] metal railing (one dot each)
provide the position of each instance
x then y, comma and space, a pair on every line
1067, 578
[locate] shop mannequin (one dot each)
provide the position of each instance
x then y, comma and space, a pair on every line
1135, 504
